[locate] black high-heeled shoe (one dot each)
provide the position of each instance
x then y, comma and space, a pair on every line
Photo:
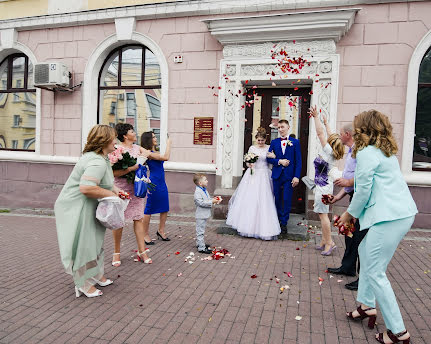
363, 315
160, 236
149, 243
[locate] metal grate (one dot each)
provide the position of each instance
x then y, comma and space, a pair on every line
41, 73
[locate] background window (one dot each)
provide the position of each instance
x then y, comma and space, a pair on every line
130, 78
422, 141
17, 104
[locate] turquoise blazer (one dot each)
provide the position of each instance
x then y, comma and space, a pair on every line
381, 193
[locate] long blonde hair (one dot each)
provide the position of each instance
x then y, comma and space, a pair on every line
98, 138
374, 128
337, 146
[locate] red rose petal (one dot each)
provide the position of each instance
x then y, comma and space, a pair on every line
178, 252
253, 276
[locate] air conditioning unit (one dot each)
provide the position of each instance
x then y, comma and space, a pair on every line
51, 74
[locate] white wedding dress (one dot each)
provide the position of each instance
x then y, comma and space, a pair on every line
252, 209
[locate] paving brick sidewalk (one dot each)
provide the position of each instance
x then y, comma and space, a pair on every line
212, 302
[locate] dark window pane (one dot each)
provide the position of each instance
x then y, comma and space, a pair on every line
425, 69
154, 106
131, 66
422, 141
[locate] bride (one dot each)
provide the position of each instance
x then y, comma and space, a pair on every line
252, 209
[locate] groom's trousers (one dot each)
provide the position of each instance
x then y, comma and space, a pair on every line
283, 191
376, 251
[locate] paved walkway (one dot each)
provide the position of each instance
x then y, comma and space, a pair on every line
211, 302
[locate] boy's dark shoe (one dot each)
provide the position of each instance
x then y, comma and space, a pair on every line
206, 251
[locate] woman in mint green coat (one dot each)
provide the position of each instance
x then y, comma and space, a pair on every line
382, 202
80, 234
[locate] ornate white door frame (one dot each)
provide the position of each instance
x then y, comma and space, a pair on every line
252, 62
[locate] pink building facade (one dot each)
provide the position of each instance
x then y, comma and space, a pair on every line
365, 55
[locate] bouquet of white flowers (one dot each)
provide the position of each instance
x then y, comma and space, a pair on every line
251, 158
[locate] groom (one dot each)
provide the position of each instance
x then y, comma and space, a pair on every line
285, 172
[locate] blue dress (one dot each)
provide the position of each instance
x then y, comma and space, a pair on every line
157, 200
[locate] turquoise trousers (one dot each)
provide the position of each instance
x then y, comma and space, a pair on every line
375, 252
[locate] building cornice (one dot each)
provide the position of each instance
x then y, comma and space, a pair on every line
179, 8
299, 26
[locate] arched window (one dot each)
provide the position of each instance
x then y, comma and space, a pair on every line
17, 104
130, 89
422, 142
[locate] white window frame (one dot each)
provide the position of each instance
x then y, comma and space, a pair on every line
422, 178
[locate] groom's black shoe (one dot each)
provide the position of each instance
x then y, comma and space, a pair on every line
352, 285
283, 229
340, 271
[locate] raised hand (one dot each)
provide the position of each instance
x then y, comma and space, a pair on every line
312, 111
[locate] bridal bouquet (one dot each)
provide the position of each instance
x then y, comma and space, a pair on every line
121, 160
251, 158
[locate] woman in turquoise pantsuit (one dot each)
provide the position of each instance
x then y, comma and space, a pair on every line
382, 202
80, 235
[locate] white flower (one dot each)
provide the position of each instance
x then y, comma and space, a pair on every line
289, 143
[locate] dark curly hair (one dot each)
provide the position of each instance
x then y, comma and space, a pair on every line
122, 129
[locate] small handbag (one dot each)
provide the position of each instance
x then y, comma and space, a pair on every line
141, 182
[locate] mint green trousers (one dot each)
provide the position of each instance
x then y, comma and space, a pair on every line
375, 252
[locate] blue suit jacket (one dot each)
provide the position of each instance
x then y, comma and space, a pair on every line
381, 193
292, 153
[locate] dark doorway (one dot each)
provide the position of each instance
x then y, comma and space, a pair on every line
270, 105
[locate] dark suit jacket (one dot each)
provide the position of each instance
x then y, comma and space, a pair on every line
292, 153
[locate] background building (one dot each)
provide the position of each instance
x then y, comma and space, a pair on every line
164, 65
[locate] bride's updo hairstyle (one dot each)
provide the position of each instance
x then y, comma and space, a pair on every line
373, 128
261, 133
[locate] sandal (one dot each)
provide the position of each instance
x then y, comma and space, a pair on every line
395, 338
139, 258
116, 263
363, 315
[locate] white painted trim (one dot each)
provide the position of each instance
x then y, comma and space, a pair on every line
312, 25
91, 75
413, 177
189, 167
37, 158
21, 48
179, 8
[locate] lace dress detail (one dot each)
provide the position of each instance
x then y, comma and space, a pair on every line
252, 209
135, 209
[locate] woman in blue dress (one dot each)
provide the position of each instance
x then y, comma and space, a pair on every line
157, 200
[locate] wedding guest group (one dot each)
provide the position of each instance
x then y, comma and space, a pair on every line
286, 171
135, 209
158, 200
80, 235
351, 256
325, 174
204, 203
382, 202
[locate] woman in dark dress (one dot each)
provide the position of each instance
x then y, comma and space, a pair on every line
157, 200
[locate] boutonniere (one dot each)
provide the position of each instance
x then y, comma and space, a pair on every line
288, 142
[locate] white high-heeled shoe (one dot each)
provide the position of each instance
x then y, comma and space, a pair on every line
116, 263
102, 284
79, 292
146, 261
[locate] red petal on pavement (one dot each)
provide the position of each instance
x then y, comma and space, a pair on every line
178, 252
253, 276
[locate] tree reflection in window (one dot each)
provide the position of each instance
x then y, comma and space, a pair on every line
422, 140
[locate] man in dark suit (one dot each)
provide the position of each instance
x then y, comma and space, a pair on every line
286, 170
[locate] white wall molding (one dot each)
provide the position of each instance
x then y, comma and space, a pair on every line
231, 115
313, 25
91, 75
124, 28
9, 37
177, 8
413, 177
18, 47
